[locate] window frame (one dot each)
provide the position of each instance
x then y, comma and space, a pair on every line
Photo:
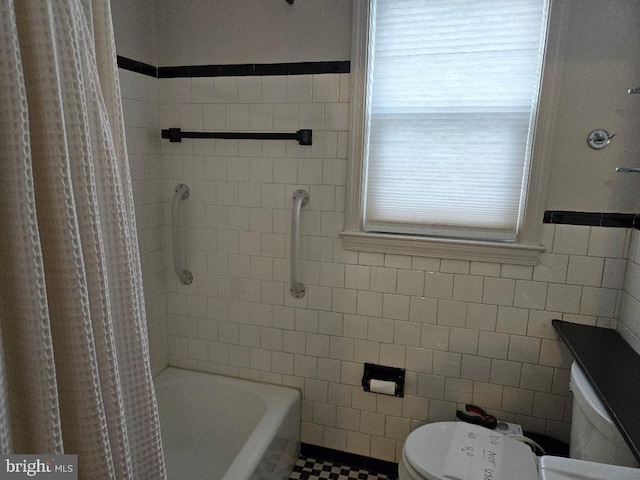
526, 249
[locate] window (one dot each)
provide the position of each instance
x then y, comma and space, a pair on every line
445, 105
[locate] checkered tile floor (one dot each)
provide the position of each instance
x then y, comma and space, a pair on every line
312, 469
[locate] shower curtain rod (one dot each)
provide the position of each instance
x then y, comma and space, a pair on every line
303, 137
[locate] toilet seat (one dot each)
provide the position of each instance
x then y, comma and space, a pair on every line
426, 451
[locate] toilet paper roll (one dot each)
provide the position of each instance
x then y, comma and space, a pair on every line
382, 386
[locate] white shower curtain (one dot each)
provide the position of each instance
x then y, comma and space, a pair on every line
74, 367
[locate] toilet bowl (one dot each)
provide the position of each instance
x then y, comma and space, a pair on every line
461, 451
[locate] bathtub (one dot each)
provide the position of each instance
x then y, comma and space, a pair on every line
216, 427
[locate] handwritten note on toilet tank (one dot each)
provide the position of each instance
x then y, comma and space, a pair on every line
476, 454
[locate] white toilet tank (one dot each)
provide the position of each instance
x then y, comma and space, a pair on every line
594, 436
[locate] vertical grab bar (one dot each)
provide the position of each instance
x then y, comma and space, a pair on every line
300, 199
181, 193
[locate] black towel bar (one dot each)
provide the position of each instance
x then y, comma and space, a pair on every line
303, 137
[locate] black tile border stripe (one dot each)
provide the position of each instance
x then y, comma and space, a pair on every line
374, 465
136, 66
593, 219
255, 69
234, 70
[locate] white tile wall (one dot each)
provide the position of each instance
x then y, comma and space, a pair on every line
141, 116
629, 319
465, 331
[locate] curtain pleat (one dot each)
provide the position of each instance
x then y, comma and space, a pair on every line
81, 218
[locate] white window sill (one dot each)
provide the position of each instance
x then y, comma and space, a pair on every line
511, 253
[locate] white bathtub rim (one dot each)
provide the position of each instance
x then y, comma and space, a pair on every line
252, 451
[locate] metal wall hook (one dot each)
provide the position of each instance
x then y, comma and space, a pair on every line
599, 138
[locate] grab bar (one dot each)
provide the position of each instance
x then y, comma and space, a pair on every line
300, 199
182, 193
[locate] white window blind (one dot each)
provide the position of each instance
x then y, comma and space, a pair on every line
453, 89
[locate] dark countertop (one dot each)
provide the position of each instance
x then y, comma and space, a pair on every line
613, 369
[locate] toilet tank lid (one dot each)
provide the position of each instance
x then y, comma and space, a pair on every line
427, 451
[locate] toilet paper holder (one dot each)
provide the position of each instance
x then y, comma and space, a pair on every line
383, 374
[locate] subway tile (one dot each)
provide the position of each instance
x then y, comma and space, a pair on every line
530, 294
487, 395
564, 298
475, 368
330, 323
407, 333
395, 306
463, 340
493, 345
397, 428
431, 386
504, 372
274, 89
319, 298
548, 406
536, 377
517, 400
467, 288
452, 313
336, 116
438, 285
249, 89
410, 282
585, 270
524, 349
599, 302
380, 329
447, 364
481, 317
551, 267
392, 355
435, 337
225, 90
458, 390
607, 242
299, 88
202, 90
383, 279
419, 359
341, 348
326, 87
571, 239
512, 320
366, 351
356, 326
423, 310
357, 277
237, 117
517, 272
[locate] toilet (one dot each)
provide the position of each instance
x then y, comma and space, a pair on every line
440, 451
461, 451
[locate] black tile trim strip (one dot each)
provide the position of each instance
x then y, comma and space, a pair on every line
255, 69
374, 465
594, 219
136, 66
236, 70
